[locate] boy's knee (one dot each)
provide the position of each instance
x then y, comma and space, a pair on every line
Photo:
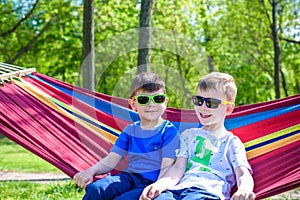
93, 191
91, 187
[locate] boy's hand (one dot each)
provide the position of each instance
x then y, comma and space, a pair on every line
151, 191
243, 195
245, 184
82, 179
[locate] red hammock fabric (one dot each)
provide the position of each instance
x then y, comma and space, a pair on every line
73, 128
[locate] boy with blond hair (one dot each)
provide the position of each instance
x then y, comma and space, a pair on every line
211, 160
150, 145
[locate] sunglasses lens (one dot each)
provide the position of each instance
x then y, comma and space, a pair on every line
143, 100
197, 100
159, 98
212, 103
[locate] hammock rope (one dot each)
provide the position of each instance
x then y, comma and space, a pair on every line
73, 128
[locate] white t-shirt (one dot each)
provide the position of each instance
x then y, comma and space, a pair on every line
212, 158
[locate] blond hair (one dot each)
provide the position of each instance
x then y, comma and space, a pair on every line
221, 82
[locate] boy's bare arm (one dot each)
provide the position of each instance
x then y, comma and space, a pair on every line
170, 178
245, 184
82, 179
166, 163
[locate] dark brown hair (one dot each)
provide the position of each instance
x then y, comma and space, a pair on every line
147, 81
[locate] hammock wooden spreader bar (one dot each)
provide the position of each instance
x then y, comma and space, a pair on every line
8, 71
72, 128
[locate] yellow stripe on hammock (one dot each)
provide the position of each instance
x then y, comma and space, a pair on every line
274, 145
78, 112
272, 136
45, 98
107, 136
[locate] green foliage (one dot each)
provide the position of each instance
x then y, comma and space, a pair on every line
235, 36
57, 51
238, 37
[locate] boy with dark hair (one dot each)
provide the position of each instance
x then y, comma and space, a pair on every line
149, 143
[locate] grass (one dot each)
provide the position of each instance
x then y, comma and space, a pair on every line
40, 191
15, 158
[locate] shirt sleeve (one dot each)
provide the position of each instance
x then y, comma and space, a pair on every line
184, 145
237, 154
122, 143
170, 141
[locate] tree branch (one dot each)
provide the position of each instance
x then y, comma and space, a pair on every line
20, 22
29, 45
289, 40
266, 11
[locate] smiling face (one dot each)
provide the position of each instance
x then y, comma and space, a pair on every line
212, 119
150, 114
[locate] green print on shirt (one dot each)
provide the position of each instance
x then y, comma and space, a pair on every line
200, 156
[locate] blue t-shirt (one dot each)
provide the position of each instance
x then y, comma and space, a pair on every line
146, 148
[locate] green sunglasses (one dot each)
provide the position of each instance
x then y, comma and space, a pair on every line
144, 99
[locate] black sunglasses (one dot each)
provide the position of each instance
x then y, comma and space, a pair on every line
144, 99
209, 102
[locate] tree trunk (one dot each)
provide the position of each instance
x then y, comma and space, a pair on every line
211, 66
277, 52
284, 86
145, 33
178, 58
88, 54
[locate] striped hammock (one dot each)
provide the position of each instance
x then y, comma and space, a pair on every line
73, 128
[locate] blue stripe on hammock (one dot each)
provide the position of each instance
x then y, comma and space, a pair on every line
90, 121
272, 140
106, 107
129, 115
238, 122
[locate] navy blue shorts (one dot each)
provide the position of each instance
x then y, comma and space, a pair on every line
119, 186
